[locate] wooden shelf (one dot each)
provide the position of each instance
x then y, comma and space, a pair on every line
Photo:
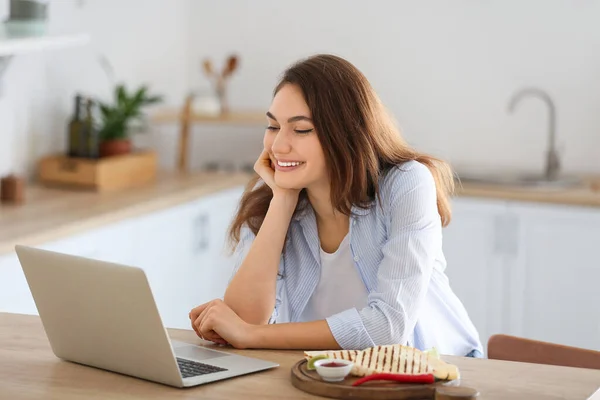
186, 117
19, 45
231, 118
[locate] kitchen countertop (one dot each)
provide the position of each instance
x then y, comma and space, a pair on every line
29, 370
586, 195
50, 213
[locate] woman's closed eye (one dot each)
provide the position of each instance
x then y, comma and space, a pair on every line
299, 131
303, 131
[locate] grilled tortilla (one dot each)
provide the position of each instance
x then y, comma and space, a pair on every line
394, 359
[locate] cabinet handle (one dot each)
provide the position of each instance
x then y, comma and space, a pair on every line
513, 234
202, 232
506, 235
498, 236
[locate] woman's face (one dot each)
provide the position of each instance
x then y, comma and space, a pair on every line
292, 142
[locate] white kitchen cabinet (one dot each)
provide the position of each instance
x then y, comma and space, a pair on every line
162, 248
113, 243
15, 296
204, 272
223, 208
180, 250
110, 243
554, 280
474, 249
526, 269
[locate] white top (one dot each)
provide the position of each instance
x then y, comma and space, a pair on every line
340, 286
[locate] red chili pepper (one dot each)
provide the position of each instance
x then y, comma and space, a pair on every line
403, 378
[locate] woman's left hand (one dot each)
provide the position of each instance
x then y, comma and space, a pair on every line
217, 322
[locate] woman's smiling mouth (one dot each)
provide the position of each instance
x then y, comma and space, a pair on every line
288, 165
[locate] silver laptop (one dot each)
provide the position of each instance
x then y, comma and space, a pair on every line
104, 315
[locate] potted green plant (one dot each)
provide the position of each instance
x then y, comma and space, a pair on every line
116, 118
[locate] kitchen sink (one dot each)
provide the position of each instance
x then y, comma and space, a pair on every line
523, 181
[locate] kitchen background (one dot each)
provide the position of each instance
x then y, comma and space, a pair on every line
524, 261
445, 69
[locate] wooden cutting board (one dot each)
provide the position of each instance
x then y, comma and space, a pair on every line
311, 382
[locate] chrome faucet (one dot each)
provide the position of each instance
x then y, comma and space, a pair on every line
552, 168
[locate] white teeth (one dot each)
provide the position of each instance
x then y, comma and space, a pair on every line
289, 164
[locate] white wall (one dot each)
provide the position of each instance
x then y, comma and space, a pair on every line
145, 40
446, 69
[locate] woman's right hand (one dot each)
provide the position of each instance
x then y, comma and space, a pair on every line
265, 169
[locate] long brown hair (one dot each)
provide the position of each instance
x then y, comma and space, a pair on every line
359, 138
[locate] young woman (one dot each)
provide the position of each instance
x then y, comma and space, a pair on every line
339, 237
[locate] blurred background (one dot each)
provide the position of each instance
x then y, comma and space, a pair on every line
522, 248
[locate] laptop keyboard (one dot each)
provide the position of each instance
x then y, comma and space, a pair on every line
193, 368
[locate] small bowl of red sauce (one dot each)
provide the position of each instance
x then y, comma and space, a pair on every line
332, 370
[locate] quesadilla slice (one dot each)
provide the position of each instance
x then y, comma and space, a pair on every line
393, 359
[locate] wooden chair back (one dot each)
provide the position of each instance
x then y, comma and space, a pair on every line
512, 348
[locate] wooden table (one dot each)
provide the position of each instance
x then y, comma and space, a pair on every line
29, 370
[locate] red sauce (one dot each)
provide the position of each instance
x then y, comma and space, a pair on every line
333, 364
